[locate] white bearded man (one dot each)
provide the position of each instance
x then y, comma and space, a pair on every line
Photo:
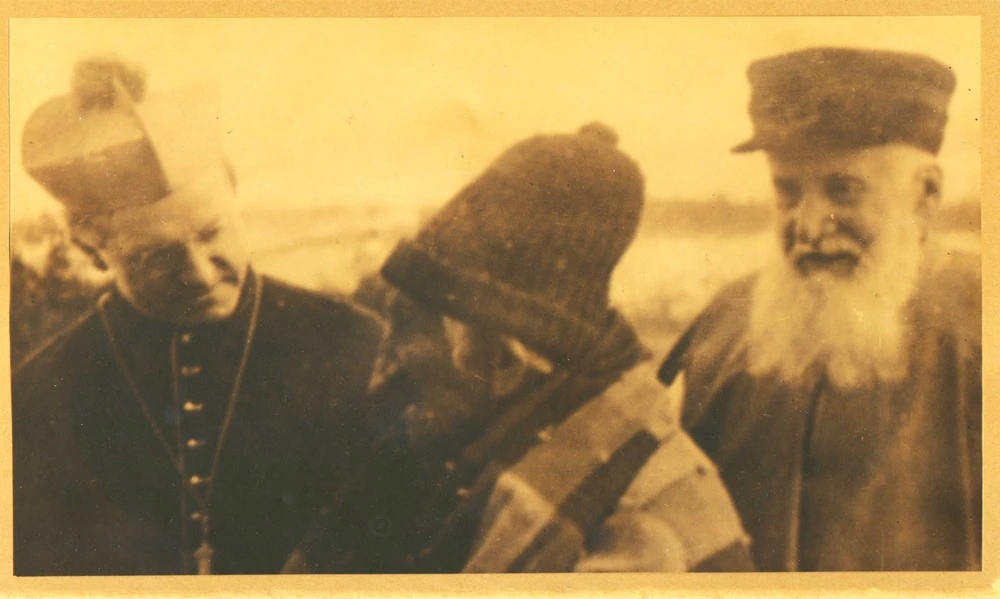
839, 390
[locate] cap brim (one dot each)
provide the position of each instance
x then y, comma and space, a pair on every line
442, 286
751, 145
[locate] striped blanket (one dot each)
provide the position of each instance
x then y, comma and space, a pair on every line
617, 486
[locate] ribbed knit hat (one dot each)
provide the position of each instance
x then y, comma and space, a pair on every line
847, 97
528, 247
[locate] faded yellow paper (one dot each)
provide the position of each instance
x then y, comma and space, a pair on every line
354, 128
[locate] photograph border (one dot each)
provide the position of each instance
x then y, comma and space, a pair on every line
985, 583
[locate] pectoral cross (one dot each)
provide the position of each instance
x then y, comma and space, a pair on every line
203, 554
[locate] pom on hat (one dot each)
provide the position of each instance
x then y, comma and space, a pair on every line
93, 81
528, 247
599, 131
111, 143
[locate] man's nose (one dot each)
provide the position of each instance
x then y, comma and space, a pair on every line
812, 218
199, 269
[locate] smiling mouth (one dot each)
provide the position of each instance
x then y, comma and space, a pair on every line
839, 263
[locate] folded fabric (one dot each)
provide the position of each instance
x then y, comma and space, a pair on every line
618, 454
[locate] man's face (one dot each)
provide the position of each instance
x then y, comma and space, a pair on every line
183, 259
836, 209
853, 226
417, 364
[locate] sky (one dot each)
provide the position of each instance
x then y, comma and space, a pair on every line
326, 111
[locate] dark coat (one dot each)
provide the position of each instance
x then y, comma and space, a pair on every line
888, 479
95, 491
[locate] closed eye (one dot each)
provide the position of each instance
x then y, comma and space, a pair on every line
789, 192
209, 233
157, 258
844, 189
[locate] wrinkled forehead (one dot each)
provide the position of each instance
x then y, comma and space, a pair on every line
882, 163
208, 201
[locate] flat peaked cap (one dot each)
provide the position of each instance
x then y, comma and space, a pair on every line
109, 144
847, 98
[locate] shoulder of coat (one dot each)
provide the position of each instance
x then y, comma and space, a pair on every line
317, 310
726, 314
60, 347
949, 297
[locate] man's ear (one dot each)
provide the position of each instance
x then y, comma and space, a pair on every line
929, 178
928, 181
92, 253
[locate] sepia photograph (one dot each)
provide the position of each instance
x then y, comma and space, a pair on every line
457, 296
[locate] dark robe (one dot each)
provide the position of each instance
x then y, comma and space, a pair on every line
884, 479
95, 489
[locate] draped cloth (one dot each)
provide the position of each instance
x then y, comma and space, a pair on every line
543, 407
531, 488
618, 486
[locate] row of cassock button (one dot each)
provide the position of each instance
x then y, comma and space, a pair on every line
194, 426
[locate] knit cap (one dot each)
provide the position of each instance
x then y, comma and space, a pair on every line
528, 247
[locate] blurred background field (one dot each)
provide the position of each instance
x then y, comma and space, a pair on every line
684, 252
345, 133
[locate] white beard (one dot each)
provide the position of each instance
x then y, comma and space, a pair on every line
852, 329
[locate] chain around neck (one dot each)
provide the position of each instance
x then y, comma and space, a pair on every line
204, 501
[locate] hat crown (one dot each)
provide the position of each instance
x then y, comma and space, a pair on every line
539, 232
108, 144
570, 178
845, 65
577, 185
847, 97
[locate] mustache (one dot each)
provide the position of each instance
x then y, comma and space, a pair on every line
829, 247
844, 240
